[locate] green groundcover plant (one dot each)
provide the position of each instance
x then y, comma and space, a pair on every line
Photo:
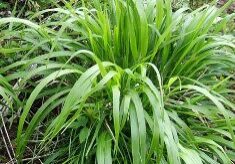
120, 81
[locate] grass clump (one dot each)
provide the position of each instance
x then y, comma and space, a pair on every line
122, 82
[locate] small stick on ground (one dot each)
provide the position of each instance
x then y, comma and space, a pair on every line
5, 143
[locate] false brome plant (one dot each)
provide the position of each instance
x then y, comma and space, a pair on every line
122, 82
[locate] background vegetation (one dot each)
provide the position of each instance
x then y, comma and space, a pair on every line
117, 82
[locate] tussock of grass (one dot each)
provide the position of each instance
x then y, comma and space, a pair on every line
122, 82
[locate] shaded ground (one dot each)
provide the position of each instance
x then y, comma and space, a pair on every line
4, 156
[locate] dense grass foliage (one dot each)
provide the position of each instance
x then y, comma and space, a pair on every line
120, 82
